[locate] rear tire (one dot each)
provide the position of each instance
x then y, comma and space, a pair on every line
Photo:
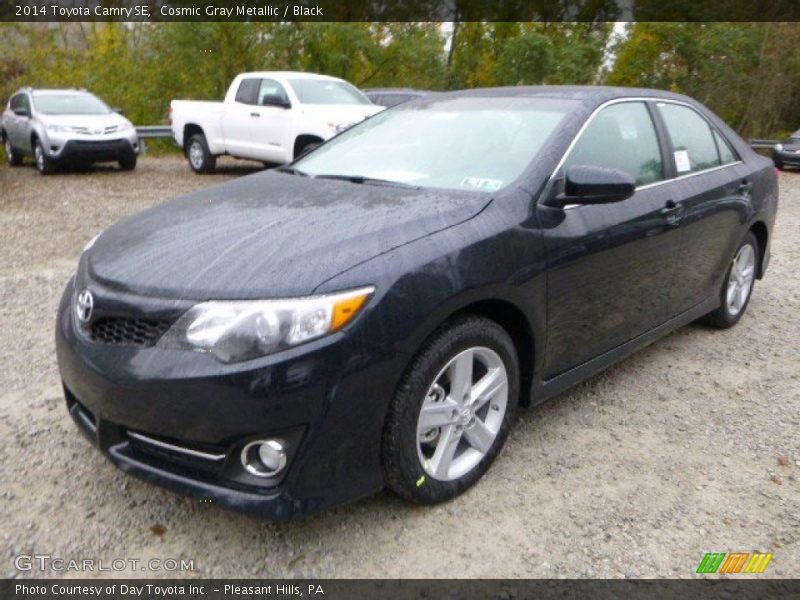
128, 163
737, 288
200, 158
44, 164
471, 423
13, 157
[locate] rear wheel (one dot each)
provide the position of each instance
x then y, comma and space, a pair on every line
200, 158
452, 412
738, 285
14, 158
44, 164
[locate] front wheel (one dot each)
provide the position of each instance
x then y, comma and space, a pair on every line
128, 163
738, 285
44, 164
200, 158
14, 158
452, 412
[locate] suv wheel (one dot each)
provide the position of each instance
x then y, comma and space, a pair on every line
452, 412
44, 164
14, 158
200, 158
128, 162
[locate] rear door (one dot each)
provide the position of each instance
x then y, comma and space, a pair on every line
16, 124
610, 266
239, 118
712, 188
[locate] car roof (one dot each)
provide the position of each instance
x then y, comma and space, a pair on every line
64, 92
293, 74
597, 93
396, 90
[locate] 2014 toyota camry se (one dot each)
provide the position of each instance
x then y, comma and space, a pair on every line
373, 314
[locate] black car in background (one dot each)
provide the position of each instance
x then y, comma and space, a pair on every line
373, 314
390, 97
787, 154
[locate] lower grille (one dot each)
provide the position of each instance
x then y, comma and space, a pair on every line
121, 331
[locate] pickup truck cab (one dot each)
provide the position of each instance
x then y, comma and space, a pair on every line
269, 116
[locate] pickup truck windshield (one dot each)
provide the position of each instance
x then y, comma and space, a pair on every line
479, 144
69, 104
327, 91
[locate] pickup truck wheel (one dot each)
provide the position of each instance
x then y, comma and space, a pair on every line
200, 158
44, 164
14, 158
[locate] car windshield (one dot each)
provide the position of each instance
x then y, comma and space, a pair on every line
327, 91
69, 104
479, 144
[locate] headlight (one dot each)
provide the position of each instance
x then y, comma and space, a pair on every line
126, 126
59, 128
779, 147
240, 330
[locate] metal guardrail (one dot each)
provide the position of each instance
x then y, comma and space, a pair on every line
766, 144
154, 131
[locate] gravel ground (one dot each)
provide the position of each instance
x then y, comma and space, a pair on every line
690, 446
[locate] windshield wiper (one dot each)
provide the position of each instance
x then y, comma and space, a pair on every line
292, 171
365, 179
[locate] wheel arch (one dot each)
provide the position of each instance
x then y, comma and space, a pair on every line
513, 320
302, 140
761, 233
189, 129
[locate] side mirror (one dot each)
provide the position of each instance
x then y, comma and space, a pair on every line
595, 185
275, 100
22, 112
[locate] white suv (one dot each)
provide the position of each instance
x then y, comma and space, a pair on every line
57, 126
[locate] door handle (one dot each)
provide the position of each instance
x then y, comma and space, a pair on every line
671, 208
255, 114
745, 186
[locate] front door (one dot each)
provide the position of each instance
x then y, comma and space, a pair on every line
610, 266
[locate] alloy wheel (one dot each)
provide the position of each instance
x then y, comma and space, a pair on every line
740, 280
39, 155
196, 155
462, 413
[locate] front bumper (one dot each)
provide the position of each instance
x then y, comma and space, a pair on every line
112, 147
790, 158
327, 399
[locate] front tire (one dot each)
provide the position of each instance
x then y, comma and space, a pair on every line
44, 164
737, 286
200, 158
13, 157
452, 411
128, 163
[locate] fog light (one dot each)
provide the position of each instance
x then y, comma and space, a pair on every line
264, 458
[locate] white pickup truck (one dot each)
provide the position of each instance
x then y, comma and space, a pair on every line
270, 116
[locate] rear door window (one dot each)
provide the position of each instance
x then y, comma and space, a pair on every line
693, 145
248, 91
725, 153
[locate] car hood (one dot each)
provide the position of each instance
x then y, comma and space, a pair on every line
266, 235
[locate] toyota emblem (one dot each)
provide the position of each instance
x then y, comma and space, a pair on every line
84, 306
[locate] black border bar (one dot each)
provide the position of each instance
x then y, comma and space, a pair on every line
343, 589
399, 10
